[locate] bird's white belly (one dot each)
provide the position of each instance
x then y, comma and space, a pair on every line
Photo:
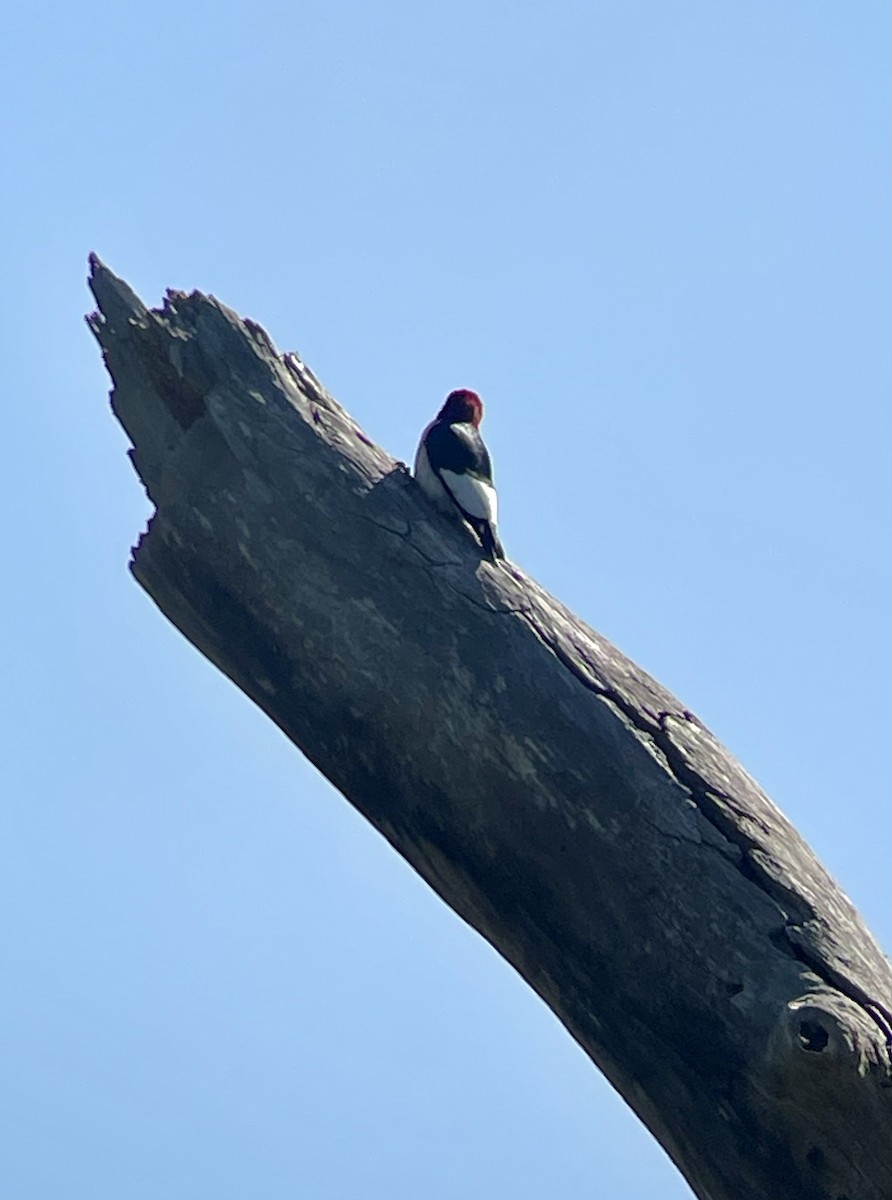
431, 484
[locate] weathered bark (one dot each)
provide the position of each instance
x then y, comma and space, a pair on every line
562, 802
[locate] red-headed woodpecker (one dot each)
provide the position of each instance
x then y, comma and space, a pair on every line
452, 465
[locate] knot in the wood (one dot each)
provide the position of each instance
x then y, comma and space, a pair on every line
812, 1036
820, 1030
816, 1028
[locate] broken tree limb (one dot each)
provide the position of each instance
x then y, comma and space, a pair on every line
552, 793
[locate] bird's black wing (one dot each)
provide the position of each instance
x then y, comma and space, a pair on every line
458, 448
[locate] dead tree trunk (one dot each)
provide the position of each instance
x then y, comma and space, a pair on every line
563, 803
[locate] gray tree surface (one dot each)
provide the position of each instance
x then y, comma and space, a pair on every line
554, 795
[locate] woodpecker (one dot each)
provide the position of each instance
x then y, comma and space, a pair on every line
453, 468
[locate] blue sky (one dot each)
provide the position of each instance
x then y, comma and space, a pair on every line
653, 236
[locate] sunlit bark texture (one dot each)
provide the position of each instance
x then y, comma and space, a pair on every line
573, 812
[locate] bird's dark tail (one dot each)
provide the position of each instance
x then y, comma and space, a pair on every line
489, 539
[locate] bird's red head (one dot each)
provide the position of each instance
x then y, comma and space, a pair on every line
462, 406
